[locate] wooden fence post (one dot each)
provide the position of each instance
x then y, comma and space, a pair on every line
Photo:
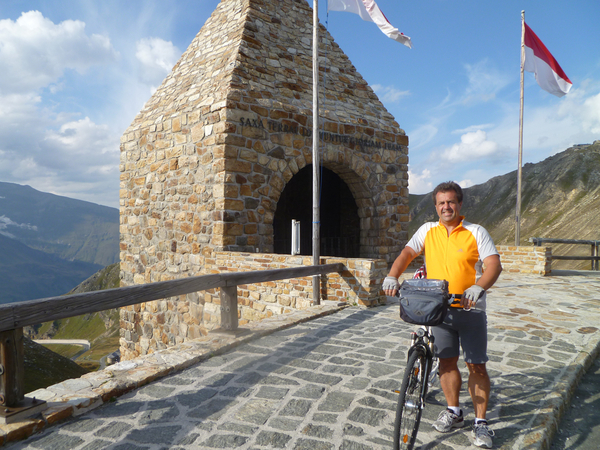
229, 308
12, 367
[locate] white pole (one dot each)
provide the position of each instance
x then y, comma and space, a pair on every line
315, 151
519, 172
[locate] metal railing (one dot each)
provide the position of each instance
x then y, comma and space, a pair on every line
594, 257
15, 316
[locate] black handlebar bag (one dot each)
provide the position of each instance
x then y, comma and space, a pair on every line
424, 301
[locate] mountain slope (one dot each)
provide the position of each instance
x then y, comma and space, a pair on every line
71, 229
27, 274
101, 329
560, 199
44, 368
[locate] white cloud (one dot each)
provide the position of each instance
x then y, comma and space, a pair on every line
388, 94
422, 135
473, 145
465, 183
419, 183
5, 222
484, 82
157, 58
81, 149
472, 128
35, 52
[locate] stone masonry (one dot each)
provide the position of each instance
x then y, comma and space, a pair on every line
205, 162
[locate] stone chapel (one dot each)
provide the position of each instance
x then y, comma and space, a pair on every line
219, 160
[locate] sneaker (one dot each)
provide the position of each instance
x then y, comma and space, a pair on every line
482, 435
448, 420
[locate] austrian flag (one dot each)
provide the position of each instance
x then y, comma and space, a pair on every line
540, 61
369, 11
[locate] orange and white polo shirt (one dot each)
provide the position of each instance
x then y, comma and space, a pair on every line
456, 258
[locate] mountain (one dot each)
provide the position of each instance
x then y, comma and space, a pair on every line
27, 274
74, 230
102, 329
44, 368
560, 199
49, 243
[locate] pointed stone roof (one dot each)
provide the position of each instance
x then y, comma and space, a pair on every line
265, 47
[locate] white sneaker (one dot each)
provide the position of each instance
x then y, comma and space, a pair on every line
448, 420
482, 435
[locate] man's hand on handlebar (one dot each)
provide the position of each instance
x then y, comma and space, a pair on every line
470, 296
390, 286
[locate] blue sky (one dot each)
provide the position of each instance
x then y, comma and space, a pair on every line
75, 73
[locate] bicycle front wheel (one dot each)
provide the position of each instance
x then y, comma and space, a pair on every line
408, 413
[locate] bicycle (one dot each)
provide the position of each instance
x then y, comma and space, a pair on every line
421, 366
414, 387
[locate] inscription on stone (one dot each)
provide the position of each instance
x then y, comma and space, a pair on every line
339, 139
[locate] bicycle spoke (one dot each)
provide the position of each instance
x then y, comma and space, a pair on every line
408, 414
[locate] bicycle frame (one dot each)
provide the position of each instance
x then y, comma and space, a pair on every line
422, 340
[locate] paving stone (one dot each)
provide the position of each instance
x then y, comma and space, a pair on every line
155, 434
310, 391
96, 445
296, 407
256, 411
336, 402
273, 439
113, 430
325, 418
212, 410
318, 431
349, 445
225, 441
84, 425
311, 444
284, 424
313, 377
367, 416
237, 427
57, 441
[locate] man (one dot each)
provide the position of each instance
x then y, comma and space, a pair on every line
455, 250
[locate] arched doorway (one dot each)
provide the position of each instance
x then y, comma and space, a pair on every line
340, 224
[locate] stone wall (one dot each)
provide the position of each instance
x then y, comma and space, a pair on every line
155, 325
531, 260
205, 162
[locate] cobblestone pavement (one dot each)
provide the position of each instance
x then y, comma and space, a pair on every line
328, 383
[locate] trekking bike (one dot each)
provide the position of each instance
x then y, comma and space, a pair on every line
421, 367
420, 374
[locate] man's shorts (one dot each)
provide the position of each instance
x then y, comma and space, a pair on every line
467, 327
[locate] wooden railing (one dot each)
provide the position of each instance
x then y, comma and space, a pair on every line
594, 257
15, 316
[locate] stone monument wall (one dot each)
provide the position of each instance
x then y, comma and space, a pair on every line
205, 162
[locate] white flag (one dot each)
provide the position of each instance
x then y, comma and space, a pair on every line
369, 11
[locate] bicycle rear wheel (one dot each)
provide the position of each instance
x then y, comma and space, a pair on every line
408, 412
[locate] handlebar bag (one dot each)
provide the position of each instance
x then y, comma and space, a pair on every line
424, 301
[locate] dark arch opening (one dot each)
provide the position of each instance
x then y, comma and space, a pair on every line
340, 224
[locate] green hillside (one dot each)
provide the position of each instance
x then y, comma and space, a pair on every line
101, 329
44, 368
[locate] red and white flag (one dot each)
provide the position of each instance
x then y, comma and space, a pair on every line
369, 11
540, 61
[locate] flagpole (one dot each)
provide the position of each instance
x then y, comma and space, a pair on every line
519, 171
316, 281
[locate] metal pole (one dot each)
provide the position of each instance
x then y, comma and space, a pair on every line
315, 151
519, 171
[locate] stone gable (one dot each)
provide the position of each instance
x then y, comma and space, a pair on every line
206, 162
